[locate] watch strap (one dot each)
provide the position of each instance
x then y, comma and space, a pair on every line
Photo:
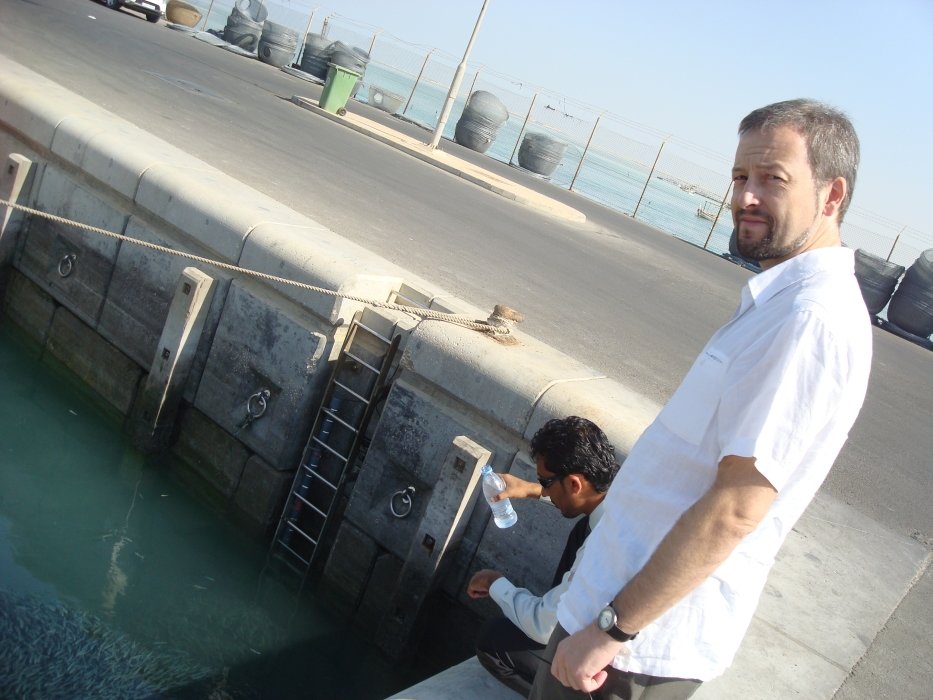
614, 631
619, 635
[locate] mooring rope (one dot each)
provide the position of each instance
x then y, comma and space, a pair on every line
428, 314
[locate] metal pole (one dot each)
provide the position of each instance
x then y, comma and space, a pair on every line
418, 80
455, 85
645, 188
208, 15
324, 26
722, 205
301, 52
473, 84
524, 124
894, 245
585, 149
373, 42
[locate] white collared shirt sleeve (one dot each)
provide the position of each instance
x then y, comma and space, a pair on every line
534, 615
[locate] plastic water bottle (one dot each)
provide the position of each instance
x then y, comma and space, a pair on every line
502, 511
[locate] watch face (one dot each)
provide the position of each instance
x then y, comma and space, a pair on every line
607, 618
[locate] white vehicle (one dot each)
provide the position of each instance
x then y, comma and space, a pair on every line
153, 9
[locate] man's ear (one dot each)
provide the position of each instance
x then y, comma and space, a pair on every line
836, 189
575, 484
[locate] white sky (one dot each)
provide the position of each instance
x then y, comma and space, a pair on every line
695, 69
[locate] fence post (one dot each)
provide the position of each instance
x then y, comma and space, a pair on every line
524, 124
585, 149
722, 205
373, 42
207, 16
894, 245
418, 80
645, 188
301, 51
473, 84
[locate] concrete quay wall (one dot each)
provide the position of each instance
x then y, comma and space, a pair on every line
114, 313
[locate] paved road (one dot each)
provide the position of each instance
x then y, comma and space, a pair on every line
628, 300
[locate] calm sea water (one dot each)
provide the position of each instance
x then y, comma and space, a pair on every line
118, 581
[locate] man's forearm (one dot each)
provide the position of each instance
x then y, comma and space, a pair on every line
701, 540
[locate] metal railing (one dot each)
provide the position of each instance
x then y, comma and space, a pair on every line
679, 187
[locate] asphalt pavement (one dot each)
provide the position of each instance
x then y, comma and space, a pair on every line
630, 301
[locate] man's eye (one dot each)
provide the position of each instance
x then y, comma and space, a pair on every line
739, 178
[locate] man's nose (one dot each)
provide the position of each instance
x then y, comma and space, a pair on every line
745, 195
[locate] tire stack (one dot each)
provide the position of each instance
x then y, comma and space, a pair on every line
181, 13
349, 57
386, 101
315, 57
877, 279
540, 153
911, 307
244, 25
482, 116
277, 44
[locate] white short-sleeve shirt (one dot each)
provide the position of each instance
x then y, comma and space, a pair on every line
783, 382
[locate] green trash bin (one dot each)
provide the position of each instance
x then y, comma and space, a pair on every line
337, 88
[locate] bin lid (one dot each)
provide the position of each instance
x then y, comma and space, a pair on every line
346, 70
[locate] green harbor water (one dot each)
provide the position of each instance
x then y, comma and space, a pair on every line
117, 580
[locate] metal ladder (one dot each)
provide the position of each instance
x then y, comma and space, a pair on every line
352, 392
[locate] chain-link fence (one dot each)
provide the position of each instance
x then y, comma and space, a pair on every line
676, 186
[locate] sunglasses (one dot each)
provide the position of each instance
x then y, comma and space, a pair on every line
547, 481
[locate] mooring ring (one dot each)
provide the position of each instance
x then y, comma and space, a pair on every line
67, 264
404, 495
257, 404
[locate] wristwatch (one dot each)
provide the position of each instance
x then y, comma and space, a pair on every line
607, 622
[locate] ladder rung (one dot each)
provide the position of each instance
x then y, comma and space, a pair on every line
330, 449
411, 302
303, 534
369, 330
351, 392
286, 562
339, 420
306, 562
374, 370
310, 505
315, 474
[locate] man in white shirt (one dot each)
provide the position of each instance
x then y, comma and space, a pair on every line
672, 576
576, 463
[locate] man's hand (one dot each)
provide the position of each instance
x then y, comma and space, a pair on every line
481, 581
518, 488
581, 659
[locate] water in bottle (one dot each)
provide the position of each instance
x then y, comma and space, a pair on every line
502, 511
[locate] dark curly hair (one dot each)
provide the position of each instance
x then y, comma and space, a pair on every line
575, 445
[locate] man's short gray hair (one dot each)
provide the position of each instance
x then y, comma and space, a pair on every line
832, 144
